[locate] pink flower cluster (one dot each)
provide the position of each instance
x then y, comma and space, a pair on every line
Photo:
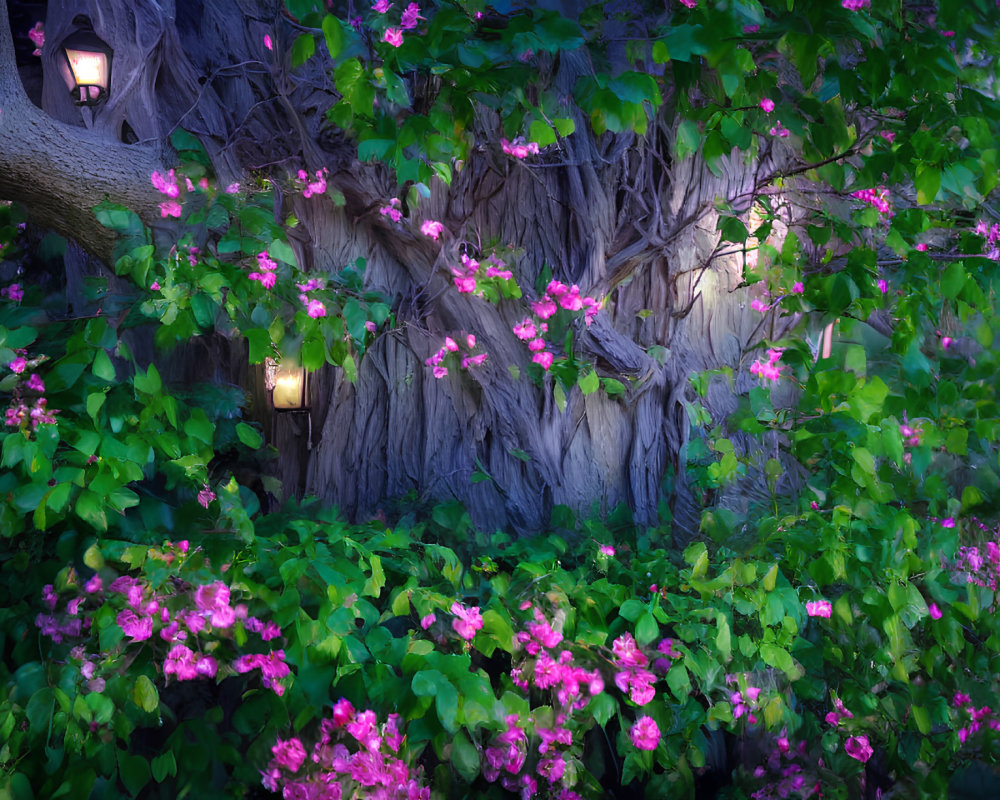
548, 669
557, 295
191, 621
332, 771
770, 370
857, 746
779, 130
431, 228
266, 276
788, 778
645, 734
991, 234
879, 198
839, 712
632, 677
467, 621
519, 148
13, 292
167, 184
975, 717
451, 346
767, 104
20, 414
745, 703
979, 570
819, 608
314, 308
392, 210
313, 187
469, 279
856, 5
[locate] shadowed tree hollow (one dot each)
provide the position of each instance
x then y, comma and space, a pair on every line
654, 136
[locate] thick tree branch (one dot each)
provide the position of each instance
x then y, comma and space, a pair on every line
60, 172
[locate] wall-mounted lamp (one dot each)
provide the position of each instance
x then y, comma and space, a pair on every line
86, 67
287, 385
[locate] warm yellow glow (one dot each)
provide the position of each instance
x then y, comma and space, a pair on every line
287, 392
89, 68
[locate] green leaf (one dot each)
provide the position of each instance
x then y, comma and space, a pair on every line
589, 383
612, 387
102, 367
777, 657
94, 402
333, 32
646, 630
603, 708
133, 770
564, 126
260, 344
90, 508
723, 639
249, 435
541, 133
303, 49
464, 757
144, 694
282, 251
149, 381
313, 353
560, 397
688, 139
164, 765
928, 182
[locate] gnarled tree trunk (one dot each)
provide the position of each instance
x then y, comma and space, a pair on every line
614, 214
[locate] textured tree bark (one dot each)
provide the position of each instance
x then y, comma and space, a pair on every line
614, 214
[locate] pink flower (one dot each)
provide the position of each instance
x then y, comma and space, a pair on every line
37, 36
393, 36
948, 522
36, 384
889, 136
689, 3
440, 372
426, 622
267, 42
645, 734
450, 345
138, 629
382, 6
180, 662
536, 345
883, 286
166, 184
779, 130
432, 228
410, 16
544, 359
289, 754
155, 286
606, 550
519, 148
317, 186
934, 611
858, 746
819, 608
18, 365
95, 584
470, 340
798, 288
13, 292
525, 329
392, 210
922, 247
856, 5
267, 279
315, 309
467, 620
945, 342
171, 208
473, 361
767, 104
465, 283
545, 307
751, 29
759, 305
233, 188
343, 712
205, 496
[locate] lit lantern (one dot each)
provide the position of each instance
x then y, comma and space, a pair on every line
87, 67
287, 384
